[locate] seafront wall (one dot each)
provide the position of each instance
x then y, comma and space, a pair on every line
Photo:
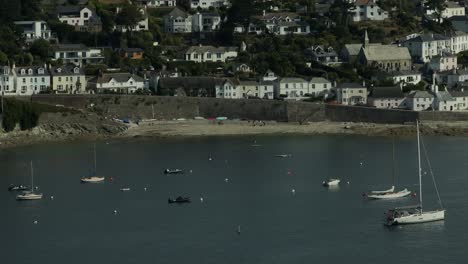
167, 107
143, 107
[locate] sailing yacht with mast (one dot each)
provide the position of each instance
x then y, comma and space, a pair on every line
390, 193
30, 195
94, 178
415, 214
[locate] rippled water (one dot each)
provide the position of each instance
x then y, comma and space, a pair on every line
277, 226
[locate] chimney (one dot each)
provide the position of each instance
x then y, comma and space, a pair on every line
364, 83
401, 86
264, 12
462, 89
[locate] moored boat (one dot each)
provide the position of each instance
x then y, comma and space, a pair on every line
179, 199
173, 171
389, 195
92, 179
331, 182
30, 195
18, 188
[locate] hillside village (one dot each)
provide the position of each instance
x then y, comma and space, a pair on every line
382, 54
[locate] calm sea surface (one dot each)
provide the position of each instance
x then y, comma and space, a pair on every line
277, 226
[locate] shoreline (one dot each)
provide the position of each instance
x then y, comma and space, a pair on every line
203, 128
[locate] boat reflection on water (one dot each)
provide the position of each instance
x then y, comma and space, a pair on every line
333, 188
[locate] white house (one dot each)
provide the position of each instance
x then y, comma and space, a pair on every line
451, 9
452, 78
30, 80
368, 10
351, 94
142, 25
419, 100
157, 3
235, 89
7, 81
125, 83
291, 88
77, 54
205, 22
178, 21
279, 23
205, 4
387, 97
83, 18
444, 62
33, 30
424, 47
406, 77
210, 54
319, 86
461, 99
269, 76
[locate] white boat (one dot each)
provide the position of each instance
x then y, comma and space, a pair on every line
331, 182
94, 178
390, 193
415, 214
283, 156
30, 195
126, 189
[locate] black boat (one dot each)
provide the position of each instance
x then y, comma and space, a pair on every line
175, 171
179, 199
18, 188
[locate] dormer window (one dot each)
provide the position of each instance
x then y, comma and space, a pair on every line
40, 71
59, 70
23, 71
77, 70
30, 71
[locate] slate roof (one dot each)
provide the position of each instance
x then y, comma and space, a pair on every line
212, 49
70, 47
349, 86
292, 80
387, 92
455, 93
118, 77
420, 94
428, 37
458, 18
378, 52
66, 70
177, 12
319, 80
353, 49
450, 4
35, 71
444, 96
404, 73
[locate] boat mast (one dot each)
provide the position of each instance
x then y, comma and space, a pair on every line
32, 177
419, 166
95, 162
393, 160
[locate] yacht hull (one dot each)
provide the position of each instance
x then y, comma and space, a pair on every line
385, 196
418, 218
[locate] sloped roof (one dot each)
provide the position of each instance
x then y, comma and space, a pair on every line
444, 96
292, 80
364, 2
420, 94
387, 92
460, 93
428, 37
269, 16
450, 4
349, 86
379, 52
119, 77
212, 49
319, 80
353, 49
34, 68
177, 12
189, 83
70, 47
66, 70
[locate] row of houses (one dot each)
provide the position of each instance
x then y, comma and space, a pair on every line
194, 4
67, 79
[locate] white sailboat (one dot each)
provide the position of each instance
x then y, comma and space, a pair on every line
94, 178
390, 193
331, 182
415, 214
30, 195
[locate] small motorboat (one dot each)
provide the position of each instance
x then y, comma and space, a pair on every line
17, 188
126, 189
283, 156
92, 179
331, 182
389, 195
29, 195
179, 199
175, 171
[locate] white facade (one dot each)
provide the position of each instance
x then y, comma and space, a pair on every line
235, 89
205, 22
7, 80
445, 62
319, 86
178, 21
158, 3
351, 94
210, 54
205, 4
292, 88
30, 80
282, 23
406, 77
33, 30
387, 103
368, 10
419, 100
117, 82
80, 18
424, 47
77, 54
451, 9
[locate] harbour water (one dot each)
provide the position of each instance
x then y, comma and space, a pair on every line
244, 188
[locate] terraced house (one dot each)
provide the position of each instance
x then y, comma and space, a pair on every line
31, 80
210, 54
68, 79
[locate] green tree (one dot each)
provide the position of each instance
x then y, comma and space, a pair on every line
129, 16
41, 49
437, 5
3, 58
341, 12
